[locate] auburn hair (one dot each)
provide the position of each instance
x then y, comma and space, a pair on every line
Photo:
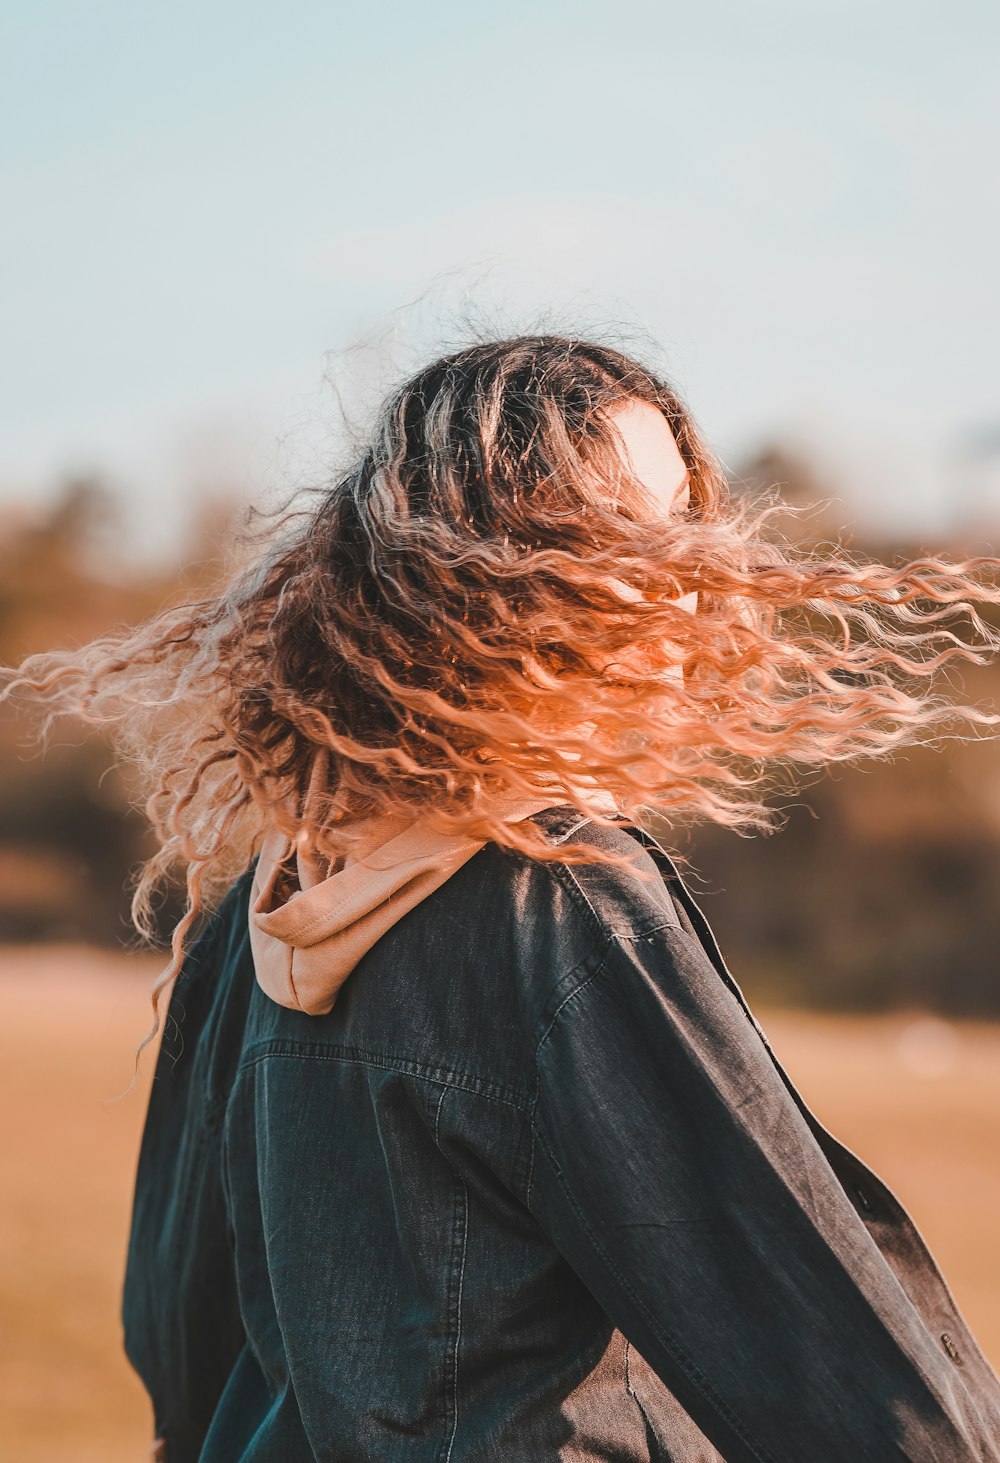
449, 619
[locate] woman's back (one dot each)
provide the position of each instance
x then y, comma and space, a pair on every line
537, 1122
418, 1219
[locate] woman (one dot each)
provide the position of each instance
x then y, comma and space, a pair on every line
463, 1142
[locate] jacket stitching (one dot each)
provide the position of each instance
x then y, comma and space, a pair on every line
437, 1117
599, 954
531, 1165
462, 1225
649, 926
458, 1316
564, 874
464, 1081
564, 834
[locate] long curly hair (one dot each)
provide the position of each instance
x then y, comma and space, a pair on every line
457, 616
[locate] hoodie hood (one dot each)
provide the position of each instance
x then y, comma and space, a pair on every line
309, 927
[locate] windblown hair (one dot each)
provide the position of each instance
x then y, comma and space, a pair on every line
458, 616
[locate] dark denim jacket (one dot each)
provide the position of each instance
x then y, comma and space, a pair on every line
536, 1188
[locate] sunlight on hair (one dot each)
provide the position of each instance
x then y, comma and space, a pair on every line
492, 598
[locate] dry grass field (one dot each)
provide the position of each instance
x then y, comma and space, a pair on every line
918, 1099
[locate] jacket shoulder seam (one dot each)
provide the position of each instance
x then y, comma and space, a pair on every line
640, 927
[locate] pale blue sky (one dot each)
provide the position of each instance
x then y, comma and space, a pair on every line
797, 198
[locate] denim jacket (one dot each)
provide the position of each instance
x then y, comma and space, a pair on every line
536, 1188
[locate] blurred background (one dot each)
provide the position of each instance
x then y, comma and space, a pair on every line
227, 229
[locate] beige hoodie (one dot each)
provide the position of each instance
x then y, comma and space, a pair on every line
305, 945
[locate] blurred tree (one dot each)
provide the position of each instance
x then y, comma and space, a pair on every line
881, 887
880, 890
69, 836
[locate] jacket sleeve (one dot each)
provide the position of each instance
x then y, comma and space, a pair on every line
677, 1176
181, 1323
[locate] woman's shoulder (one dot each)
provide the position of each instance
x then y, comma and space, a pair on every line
630, 898
549, 922
212, 960
220, 930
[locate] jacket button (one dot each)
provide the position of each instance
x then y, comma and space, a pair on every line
951, 1348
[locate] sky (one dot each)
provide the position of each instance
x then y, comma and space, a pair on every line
218, 216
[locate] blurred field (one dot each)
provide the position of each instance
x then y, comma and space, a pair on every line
916, 1097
